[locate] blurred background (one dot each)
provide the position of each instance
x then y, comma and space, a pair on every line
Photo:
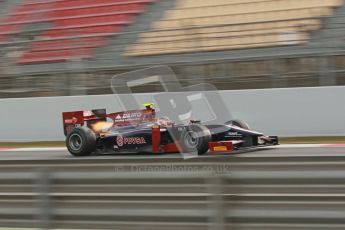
74, 47
54, 48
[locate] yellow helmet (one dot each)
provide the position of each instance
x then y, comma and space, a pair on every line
150, 105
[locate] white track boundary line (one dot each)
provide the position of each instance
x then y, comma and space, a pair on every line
35, 149
301, 146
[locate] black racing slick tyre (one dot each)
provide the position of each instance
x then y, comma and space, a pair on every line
195, 139
239, 123
81, 141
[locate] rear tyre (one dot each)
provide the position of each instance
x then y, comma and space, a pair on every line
81, 141
195, 139
239, 123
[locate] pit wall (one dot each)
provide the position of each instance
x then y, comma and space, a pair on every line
289, 112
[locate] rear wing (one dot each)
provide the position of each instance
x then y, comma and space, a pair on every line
75, 119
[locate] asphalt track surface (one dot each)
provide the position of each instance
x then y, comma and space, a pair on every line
274, 151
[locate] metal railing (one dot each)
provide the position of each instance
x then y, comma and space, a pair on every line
237, 193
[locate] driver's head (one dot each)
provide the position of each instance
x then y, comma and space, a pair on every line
149, 106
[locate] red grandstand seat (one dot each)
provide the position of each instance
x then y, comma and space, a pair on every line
97, 11
93, 30
94, 21
27, 8
113, 12
9, 29
66, 44
55, 56
86, 3
71, 20
4, 39
67, 4
12, 19
74, 13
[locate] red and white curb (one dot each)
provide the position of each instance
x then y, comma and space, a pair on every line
32, 149
5, 149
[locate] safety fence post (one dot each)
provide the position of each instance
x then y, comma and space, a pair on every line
216, 202
43, 199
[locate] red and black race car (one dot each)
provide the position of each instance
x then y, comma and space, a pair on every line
139, 131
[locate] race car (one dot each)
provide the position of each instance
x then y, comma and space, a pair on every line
140, 131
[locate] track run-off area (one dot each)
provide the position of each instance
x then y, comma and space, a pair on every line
61, 155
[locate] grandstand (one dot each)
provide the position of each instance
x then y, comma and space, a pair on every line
70, 22
65, 47
201, 25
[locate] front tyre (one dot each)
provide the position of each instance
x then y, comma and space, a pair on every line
195, 139
81, 141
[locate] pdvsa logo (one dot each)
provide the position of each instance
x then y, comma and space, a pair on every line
134, 140
121, 141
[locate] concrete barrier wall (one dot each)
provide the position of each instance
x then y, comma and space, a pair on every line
284, 112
